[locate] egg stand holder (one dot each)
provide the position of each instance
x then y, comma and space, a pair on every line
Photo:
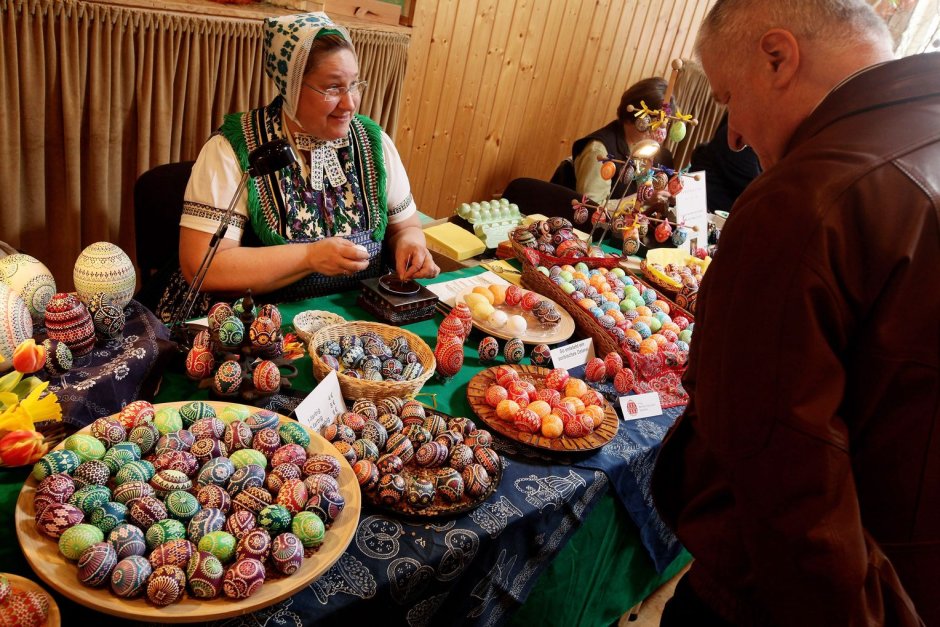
248, 358
639, 168
264, 160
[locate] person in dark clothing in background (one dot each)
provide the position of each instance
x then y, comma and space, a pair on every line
727, 171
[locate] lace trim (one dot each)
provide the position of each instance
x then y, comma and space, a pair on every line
208, 212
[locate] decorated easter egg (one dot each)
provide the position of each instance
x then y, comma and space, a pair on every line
90, 497
375, 433
254, 544
108, 515
164, 531
166, 585
217, 314
319, 483
127, 540
55, 462
488, 349
214, 496
279, 475
57, 517
86, 446
526, 421
624, 381
309, 529
541, 355
210, 427
109, 321
16, 326
240, 523
476, 480
420, 493
167, 481
135, 413
231, 332
129, 577
199, 363
74, 540
432, 454
181, 505
595, 370
28, 278
449, 485
320, 463
327, 505
247, 475
449, 356
68, 320
176, 552
461, 456
237, 436
96, 563
293, 495
205, 522
294, 433
245, 577
126, 492
146, 510
253, 499
480, 437
217, 470
262, 419
263, 332
219, 543
105, 268
367, 474
58, 488
391, 489
206, 449
514, 351
183, 461
204, 573
275, 518
266, 442
228, 378
195, 410
287, 553
58, 357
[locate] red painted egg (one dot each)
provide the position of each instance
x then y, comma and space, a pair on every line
267, 377
244, 578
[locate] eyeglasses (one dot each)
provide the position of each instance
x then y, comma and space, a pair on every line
333, 94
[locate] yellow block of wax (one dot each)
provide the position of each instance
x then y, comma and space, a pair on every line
453, 242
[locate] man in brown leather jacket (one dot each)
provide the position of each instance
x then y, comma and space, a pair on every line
804, 476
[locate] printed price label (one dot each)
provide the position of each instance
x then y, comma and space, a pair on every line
640, 406
322, 404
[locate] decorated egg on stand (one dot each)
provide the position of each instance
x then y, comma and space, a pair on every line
262, 332
30, 280
230, 332
199, 363
449, 356
488, 349
104, 267
541, 355
266, 377
514, 351
228, 378
68, 320
16, 326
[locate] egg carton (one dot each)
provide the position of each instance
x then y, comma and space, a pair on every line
492, 220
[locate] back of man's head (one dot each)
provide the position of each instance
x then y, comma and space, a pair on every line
830, 24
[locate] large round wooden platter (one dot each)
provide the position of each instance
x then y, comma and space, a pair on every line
536, 332
476, 392
54, 617
62, 574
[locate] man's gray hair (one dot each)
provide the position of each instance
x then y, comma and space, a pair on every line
834, 21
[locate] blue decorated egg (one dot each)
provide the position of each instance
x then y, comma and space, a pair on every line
205, 522
128, 540
488, 349
217, 470
55, 462
163, 531
108, 515
246, 476
262, 419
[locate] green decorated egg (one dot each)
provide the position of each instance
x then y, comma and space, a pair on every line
55, 462
275, 518
220, 543
90, 497
86, 446
294, 433
248, 456
168, 420
309, 528
181, 505
136, 470
232, 413
163, 531
77, 538
196, 410
108, 515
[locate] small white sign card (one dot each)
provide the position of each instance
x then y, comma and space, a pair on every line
692, 207
640, 406
322, 404
573, 355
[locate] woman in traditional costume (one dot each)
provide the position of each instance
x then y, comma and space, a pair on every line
319, 225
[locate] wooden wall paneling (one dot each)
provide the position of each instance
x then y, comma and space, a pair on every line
543, 109
516, 138
497, 129
434, 75
418, 52
499, 12
459, 78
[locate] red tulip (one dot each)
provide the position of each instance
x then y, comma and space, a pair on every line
19, 448
29, 357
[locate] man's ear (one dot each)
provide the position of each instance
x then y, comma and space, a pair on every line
780, 56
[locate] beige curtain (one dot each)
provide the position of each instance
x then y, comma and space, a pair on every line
695, 96
92, 96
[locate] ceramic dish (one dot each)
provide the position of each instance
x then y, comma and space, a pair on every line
536, 332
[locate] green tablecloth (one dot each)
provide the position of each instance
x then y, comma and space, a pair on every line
602, 572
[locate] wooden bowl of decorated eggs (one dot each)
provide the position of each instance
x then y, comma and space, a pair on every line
372, 360
416, 461
139, 517
545, 409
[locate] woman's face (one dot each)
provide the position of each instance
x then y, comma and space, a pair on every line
318, 115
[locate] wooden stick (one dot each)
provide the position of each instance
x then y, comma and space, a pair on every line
676, 67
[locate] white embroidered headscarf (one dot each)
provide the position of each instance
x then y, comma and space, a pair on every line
287, 42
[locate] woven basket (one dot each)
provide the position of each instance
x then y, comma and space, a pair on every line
308, 322
362, 388
551, 260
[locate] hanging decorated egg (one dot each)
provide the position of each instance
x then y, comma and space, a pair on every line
267, 376
642, 123
608, 170
675, 185
580, 214
228, 379
68, 320
514, 351
677, 131
663, 231
31, 281
104, 267
645, 192
488, 349
679, 237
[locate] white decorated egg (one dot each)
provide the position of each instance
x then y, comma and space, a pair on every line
103, 267
29, 279
16, 326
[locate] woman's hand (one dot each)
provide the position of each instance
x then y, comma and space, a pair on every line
412, 258
334, 256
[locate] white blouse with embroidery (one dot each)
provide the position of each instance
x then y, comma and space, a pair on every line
216, 174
